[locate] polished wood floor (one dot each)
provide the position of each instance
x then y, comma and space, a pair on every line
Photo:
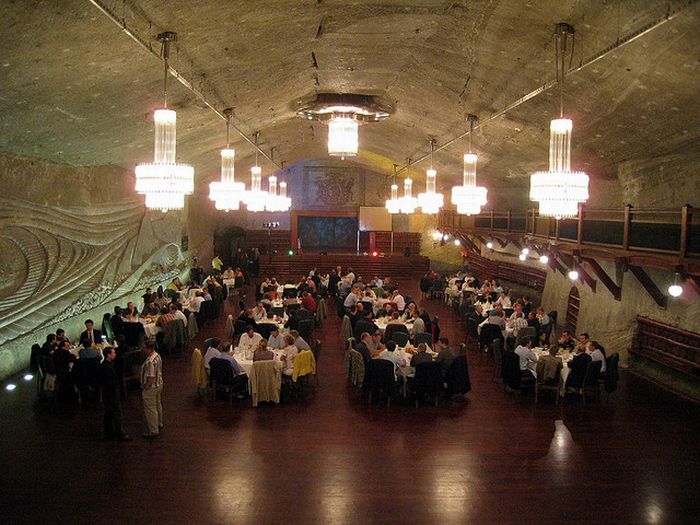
492, 459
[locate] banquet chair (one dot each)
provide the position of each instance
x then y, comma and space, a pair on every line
355, 368
228, 327
175, 337
316, 350
289, 293
134, 334
590, 382
423, 337
107, 326
612, 374
303, 313
208, 311
510, 371
428, 382
528, 331
131, 369
294, 307
496, 347
306, 328
435, 328
489, 332
345, 329
192, 328
278, 311
551, 385
239, 328
221, 378
265, 382
264, 329
473, 332
392, 329
457, 377
379, 379
85, 379
400, 338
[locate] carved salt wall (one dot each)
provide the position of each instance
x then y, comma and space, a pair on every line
72, 248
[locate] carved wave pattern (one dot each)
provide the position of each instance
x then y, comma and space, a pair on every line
61, 262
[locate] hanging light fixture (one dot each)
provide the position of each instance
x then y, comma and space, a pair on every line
407, 203
560, 190
277, 201
227, 193
343, 135
430, 202
469, 198
164, 182
393, 205
255, 199
676, 290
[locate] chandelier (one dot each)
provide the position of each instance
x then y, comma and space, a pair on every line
407, 203
560, 190
164, 182
469, 198
277, 201
393, 205
227, 193
429, 201
255, 199
343, 112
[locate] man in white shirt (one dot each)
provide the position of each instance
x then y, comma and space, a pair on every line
596, 353
390, 354
177, 313
259, 312
542, 317
350, 276
212, 352
504, 300
399, 300
352, 299
526, 355
196, 302
249, 340
518, 323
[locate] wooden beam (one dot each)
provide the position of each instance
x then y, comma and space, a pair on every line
554, 264
503, 244
601, 274
694, 284
468, 242
585, 276
516, 244
649, 285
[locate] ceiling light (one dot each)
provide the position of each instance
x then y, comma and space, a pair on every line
489, 245
393, 205
277, 201
522, 257
544, 259
458, 242
446, 237
560, 190
407, 203
437, 235
10, 387
675, 290
343, 137
255, 199
525, 251
573, 275
227, 193
28, 377
469, 198
429, 201
165, 182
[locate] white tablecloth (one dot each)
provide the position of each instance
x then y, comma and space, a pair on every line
565, 358
382, 323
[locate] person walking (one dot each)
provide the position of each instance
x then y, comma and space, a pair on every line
151, 389
110, 397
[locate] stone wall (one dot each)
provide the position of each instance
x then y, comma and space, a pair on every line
74, 241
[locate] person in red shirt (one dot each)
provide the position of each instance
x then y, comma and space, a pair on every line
308, 302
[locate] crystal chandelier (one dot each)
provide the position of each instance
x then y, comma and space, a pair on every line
560, 190
393, 205
407, 203
165, 182
256, 199
277, 201
342, 136
429, 201
469, 198
227, 193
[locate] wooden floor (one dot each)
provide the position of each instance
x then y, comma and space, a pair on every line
495, 458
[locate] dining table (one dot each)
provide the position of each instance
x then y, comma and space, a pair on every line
245, 360
564, 355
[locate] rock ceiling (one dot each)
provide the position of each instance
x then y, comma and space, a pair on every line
78, 90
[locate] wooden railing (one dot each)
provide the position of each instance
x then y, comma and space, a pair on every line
659, 231
668, 345
516, 273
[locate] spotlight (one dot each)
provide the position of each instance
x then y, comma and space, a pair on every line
28, 377
10, 387
489, 245
522, 257
458, 242
437, 235
544, 259
290, 252
525, 251
446, 237
374, 254
573, 275
675, 290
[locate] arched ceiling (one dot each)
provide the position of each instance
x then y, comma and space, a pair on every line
76, 89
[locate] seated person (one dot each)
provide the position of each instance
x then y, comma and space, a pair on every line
445, 353
525, 353
363, 325
292, 321
228, 274
89, 352
164, 318
307, 302
542, 317
504, 300
248, 317
390, 354
90, 336
421, 355
238, 372
259, 312
250, 340
289, 352
418, 326
213, 351
131, 310
299, 341
363, 346
397, 298
50, 346
518, 323
566, 341
548, 366
61, 335
175, 285
148, 296
196, 302
276, 341
177, 313
375, 343
150, 309
262, 353
62, 358
395, 319
578, 367
597, 353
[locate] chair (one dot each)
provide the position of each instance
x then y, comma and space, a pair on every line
497, 348
303, 313
379, 378
85, 378
239, 327
294, 307
221, 377
541, 384
192, 328
457, 377
316, 350
528, 332
265, 382
489, 332
107, 326
278, 311
34, 358
228, 327
435, 328
289, 293
368, 306
264, 329
473, 331
321, 311
132, 368
174, 337
510, 371
400, 338
134, 334
428, 381
306, 328
345, 328
423, 337
590, 381
612, 374
391, 331
355, 366
208, 311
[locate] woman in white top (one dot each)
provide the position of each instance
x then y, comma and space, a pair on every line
289, 352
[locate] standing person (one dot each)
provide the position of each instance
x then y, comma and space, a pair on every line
151, 389
110, 397
217, 264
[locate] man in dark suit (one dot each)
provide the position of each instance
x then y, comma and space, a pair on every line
578, 369
110, 397
363, 347
363, 325
90, 336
